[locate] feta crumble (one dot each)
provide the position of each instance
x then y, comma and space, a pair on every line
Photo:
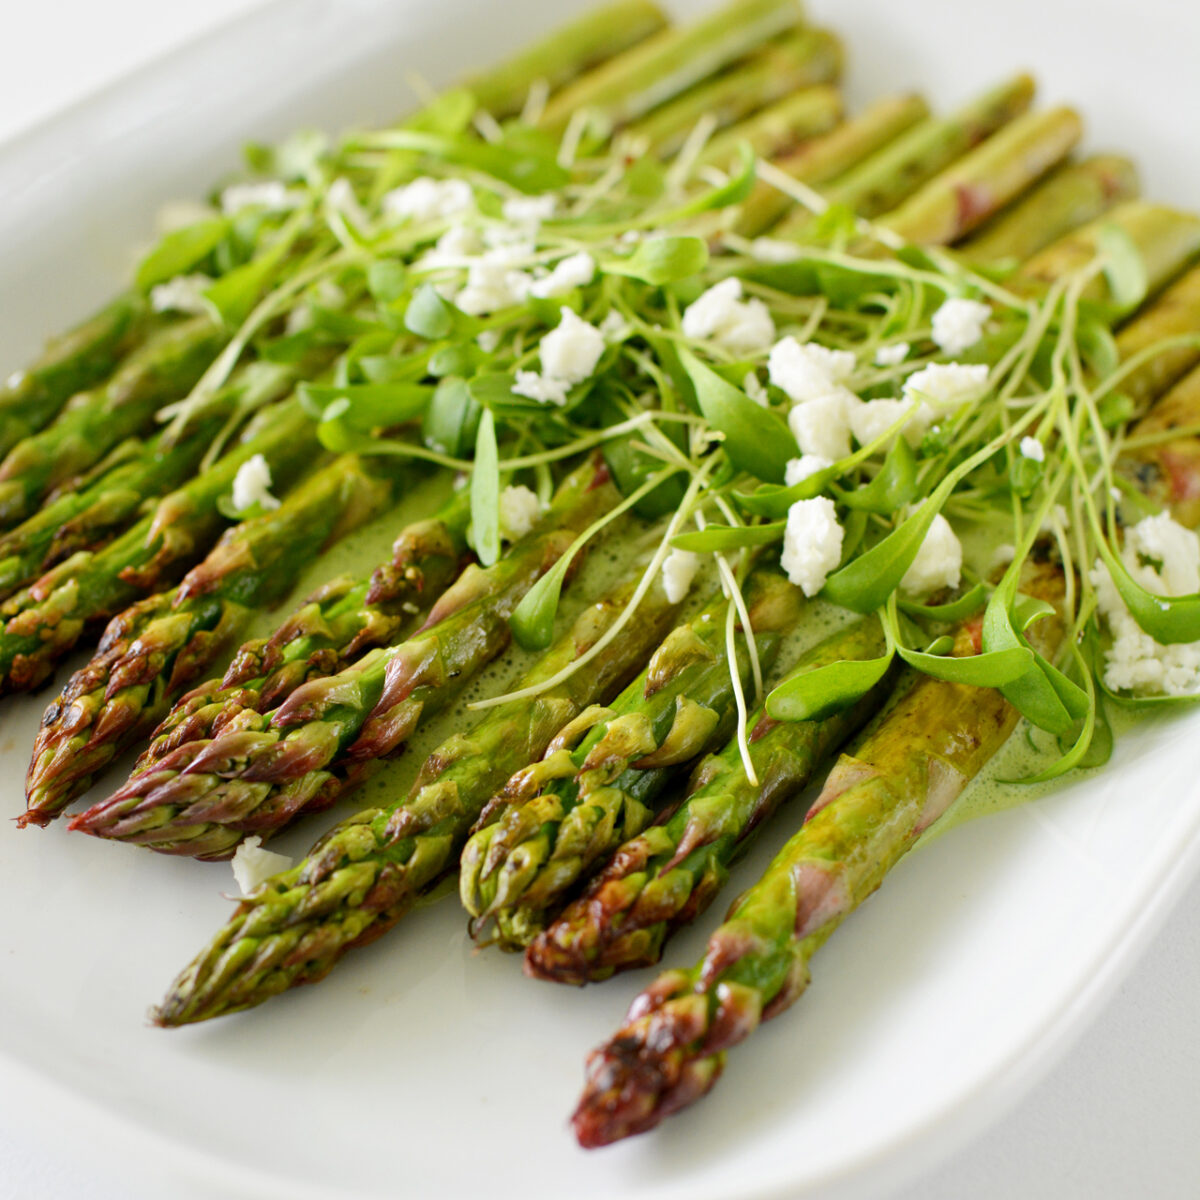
822, 425
271, 195
487, 340
752, 386
798, 469
252, 864
340, 198
874, 418
938, 563
252, 485
1164, 558
947, 386
493, 284
529, 210
774, 250
541, 388
184, 293
959, 323
678, 570
812, 543
720, 315
571, 350
577, 270
519, 511
429, 199
1032, 449
808, 371
893, 355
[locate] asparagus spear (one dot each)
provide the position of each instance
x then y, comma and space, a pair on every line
201, 799
43, 622
370, 870
669, 874
340, 622
153, 649
1176, 312
163, 369
889, 177
668, 63
1166, 238
555, 820
878, 799
558, 59
1169, 471
962, 197
821, 160
779, 128
80, 359
1070, 197
805, 59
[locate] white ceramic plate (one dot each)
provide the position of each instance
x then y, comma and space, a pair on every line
418, 1068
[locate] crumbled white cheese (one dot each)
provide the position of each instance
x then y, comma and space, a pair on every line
959, 323
571, 350
798, 469
428, 199
487, 340
184, 293
1164, 558
812, 543
340, 198
720, 315
874, 418
822, 425
252, 485
252, 864
614, 326
752, 386
271, 195
519, 511
529, 210
577, 270
808, 371
947, 386
459, 246
541, 388
893, 355
774, 250
1031, 448
938, 563
493, 284
678, 570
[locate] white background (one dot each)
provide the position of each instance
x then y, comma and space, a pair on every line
1116, 1118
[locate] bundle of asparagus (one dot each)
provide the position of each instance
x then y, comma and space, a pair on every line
590, 254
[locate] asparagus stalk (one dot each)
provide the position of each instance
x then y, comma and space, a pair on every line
1169, 471
668, 63
806, 59
1070, 197
1166, 238
1174, 314
45, 621
568, 52
668, 875
202, 798
163, 369
878, 799
889, 177
370, 870
779, 128
555, 820
80, 359
340, 622
962, 197
822, 160
153, 649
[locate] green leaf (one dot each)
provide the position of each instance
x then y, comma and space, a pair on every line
1028, 610
733, 191
953, 611
452, 419
528, 167
659, 260
387, 280
890, 490
992, 669
365, 406
449, 112
1167, 619
485, 492
1124, 267
1115, 408
756, 440
532, 622
428, 315
717, 538
1098, 347
236, 293
180, 250
819, 693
